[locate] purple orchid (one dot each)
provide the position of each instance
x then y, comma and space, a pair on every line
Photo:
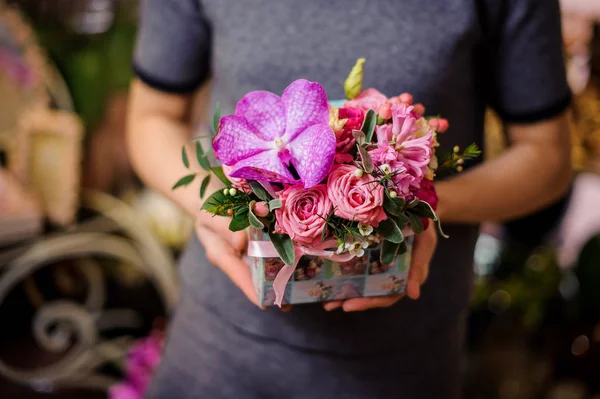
269, 136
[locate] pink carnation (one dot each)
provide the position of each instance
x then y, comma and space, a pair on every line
303, 213
387, 154
356, 198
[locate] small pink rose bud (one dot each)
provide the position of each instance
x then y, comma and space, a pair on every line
443, 125
261, 209
419, 109
406, 98
385, 111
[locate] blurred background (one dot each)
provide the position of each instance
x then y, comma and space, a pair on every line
87, 254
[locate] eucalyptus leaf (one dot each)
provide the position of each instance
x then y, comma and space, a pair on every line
403, 248
201, 157
359, 136
217, 118
275, 204
284, 246
366, 159
218, 171
254, 221
204, 185
389, 230
368, 126
184, 181
388, 253
438, 224
184, 157
259, 190
415, 223
239, 222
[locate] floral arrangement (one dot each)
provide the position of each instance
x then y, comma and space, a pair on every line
322, 179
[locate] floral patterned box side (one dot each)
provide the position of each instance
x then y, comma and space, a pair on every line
317, 279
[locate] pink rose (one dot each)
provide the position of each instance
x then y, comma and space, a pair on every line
368, 99
303, 213
356, 198
240, 184
344, 139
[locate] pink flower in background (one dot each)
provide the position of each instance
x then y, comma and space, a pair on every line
269, 135
303, 213
344, 138
356, 198
142, 360
240, 184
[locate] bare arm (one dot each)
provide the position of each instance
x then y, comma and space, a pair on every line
532, 173
158, 126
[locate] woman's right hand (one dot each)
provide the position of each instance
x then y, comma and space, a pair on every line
225, 250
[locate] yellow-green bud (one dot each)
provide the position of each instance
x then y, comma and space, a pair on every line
456, 148
459, 168
225, 191
393, 194
358, 173
460, 161
232, 192
353, 83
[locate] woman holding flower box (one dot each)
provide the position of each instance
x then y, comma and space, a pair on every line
456, 57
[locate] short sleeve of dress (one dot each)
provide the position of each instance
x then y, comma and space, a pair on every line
173, 47
525, 67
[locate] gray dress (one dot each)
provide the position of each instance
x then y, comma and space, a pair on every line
455, 56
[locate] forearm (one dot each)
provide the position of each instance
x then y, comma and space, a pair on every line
154, 141
525, 178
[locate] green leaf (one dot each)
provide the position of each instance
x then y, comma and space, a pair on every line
204, 185
402, 220
216, 199
415, 223
413, 203
388, 252
184, 181
239, 222
218, 171
438, 224
217, 117
389, 230
424, 210
390, 205
284, 246
201, 157
254, 221
366, 159
184, 157
275, 204
403, 248
368, 126
259, 190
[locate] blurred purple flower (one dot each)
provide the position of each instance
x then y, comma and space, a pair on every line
124, 391
268, 135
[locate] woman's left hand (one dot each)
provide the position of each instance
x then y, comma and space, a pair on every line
422, 252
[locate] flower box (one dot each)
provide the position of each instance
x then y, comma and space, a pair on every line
317, 279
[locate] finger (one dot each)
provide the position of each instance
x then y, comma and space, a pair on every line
224, 256
220, 225
423, 250
360, 304
332, 305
